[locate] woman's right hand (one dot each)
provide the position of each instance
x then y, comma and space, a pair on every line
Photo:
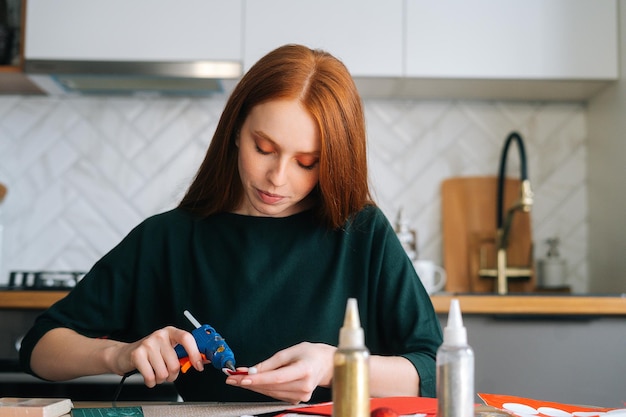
154, 356
62, 354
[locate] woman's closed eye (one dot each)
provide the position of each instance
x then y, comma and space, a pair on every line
263, 151
305, 162
308, 165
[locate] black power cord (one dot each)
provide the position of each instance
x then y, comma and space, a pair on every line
121, 384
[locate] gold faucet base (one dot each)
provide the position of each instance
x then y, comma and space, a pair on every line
520, 274
503, 272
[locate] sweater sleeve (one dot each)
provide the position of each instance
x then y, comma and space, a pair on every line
407, 320
99, 304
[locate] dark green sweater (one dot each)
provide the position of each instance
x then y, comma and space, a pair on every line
264, 283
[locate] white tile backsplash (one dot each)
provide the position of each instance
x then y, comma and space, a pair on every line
82, 171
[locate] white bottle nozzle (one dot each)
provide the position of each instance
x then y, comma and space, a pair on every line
351, 334
455, 334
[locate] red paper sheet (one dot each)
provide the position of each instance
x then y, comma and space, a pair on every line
401, 405
428, 406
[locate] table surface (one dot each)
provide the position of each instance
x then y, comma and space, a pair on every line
178, 409
161, 409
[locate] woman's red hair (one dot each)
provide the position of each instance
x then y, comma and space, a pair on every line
325, 88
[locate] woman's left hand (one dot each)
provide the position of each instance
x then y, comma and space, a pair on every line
291, 374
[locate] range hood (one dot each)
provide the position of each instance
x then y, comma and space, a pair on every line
190, 78
141, 46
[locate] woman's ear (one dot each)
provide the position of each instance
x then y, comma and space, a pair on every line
237, 137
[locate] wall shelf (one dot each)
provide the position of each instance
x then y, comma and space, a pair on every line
13, 80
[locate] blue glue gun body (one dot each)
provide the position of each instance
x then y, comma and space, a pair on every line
212, 346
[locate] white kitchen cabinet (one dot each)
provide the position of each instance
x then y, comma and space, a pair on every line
365, 34
513, 39
137, 30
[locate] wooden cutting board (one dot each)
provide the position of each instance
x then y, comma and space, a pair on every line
469, 229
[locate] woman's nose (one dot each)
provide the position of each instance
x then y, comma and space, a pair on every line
277, 174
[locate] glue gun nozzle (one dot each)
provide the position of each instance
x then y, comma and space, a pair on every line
230, 365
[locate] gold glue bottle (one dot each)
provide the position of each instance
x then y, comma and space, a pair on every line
351, 382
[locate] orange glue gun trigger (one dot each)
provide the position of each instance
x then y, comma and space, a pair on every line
185, 363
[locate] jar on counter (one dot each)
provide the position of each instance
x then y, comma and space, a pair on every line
551, 270
3, 193
406, 235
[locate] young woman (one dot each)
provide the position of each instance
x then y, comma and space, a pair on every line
275, 233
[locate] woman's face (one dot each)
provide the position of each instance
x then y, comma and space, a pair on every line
279, 151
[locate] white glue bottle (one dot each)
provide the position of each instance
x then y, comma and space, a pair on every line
455, 369
351, 383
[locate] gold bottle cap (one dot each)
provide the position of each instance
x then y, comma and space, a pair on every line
351, 334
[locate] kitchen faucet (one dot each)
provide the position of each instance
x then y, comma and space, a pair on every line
503, 272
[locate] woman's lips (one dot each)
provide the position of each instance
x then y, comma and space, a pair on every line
269, 198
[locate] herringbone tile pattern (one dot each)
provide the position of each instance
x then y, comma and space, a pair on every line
82, 172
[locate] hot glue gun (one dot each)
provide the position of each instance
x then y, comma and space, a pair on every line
212, 346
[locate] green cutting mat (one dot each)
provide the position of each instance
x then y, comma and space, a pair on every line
107, 412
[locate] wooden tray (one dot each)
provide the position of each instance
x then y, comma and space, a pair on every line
469, 225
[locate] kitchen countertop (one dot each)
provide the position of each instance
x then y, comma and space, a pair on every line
33, 300
529, 304
522, 304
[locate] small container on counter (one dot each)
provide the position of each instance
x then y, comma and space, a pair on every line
551, 270
3, 192
406, 236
